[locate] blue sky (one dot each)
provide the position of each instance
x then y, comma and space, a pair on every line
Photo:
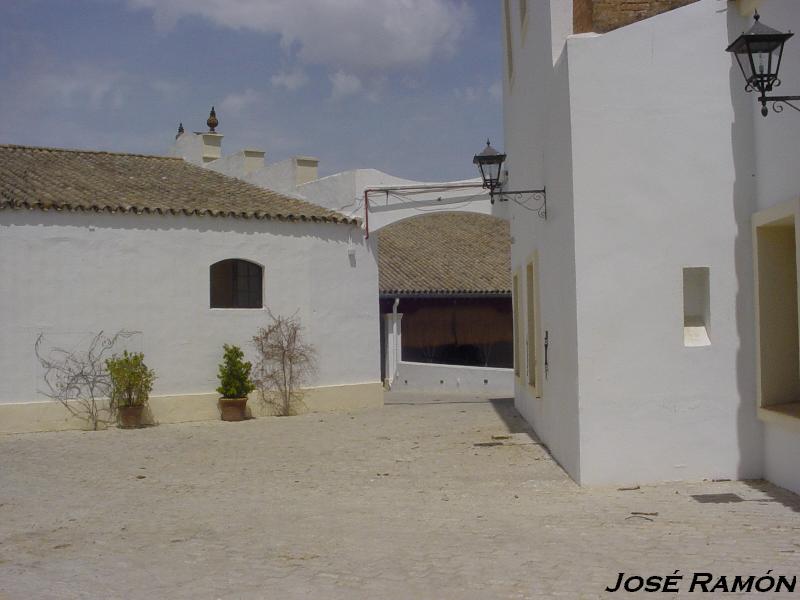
411, 87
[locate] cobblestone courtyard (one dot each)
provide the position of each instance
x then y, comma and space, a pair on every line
450, 500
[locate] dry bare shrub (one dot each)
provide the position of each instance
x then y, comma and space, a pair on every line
79, 379
285, 362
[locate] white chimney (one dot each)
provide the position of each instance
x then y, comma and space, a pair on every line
199, 147
305, 169
252, 159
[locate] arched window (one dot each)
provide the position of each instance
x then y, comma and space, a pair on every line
236, 283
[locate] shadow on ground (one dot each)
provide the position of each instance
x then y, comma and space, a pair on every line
415, 398
504, 407
776, 494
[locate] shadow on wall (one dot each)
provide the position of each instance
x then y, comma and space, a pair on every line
325, 231
750, 436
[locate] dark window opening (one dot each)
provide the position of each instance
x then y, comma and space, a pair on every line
456, 331
236, 283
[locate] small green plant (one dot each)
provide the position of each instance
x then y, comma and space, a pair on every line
131, 379
234, 374
78, 378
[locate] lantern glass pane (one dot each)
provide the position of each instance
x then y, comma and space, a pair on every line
762, 62
483, 174
742, 66
493, 171
777, 57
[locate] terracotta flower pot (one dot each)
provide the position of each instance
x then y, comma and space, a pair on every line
233, 409
130, 417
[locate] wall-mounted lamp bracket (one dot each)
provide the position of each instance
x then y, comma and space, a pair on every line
778, 102
523, 198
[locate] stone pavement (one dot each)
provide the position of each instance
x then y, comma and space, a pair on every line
397, 502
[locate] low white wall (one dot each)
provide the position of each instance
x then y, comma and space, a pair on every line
69, 274
428, 377
781, 455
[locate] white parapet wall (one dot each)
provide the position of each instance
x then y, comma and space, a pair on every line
429, 377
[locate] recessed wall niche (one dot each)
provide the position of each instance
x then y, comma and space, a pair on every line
776, 285
696, 307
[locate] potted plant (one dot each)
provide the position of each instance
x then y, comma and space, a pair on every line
131, 383
234, 384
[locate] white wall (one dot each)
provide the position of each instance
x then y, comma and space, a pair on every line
344, 192
662, 172
240, 165
426, 377
72, 273
781, 452
778, 175
654, 160
538, 143
778, 180
279, 177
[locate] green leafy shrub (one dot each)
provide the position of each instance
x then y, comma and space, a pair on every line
234, 374
131, 379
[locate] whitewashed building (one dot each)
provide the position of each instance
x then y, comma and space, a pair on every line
435, 284
188, 258
656, 308
375, 197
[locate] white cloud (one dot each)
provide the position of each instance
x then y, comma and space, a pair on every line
82, 85
168, 89
355, 35
471, 94
344, 84
291, 80
468, 94
496, 91
238, 102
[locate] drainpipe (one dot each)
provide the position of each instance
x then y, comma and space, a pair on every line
396, 353
366, 213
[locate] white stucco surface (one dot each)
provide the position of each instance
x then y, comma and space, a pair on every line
777, 175
75, 273
428, 377
777, 181
538, 144
781, 455
279, 176
647, 171
639, 220
344, 192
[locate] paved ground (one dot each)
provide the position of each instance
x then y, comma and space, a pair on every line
390, 503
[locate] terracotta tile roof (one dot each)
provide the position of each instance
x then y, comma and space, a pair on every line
82, 180
445, 253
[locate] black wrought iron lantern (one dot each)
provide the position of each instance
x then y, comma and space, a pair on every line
759, 52
490, 163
